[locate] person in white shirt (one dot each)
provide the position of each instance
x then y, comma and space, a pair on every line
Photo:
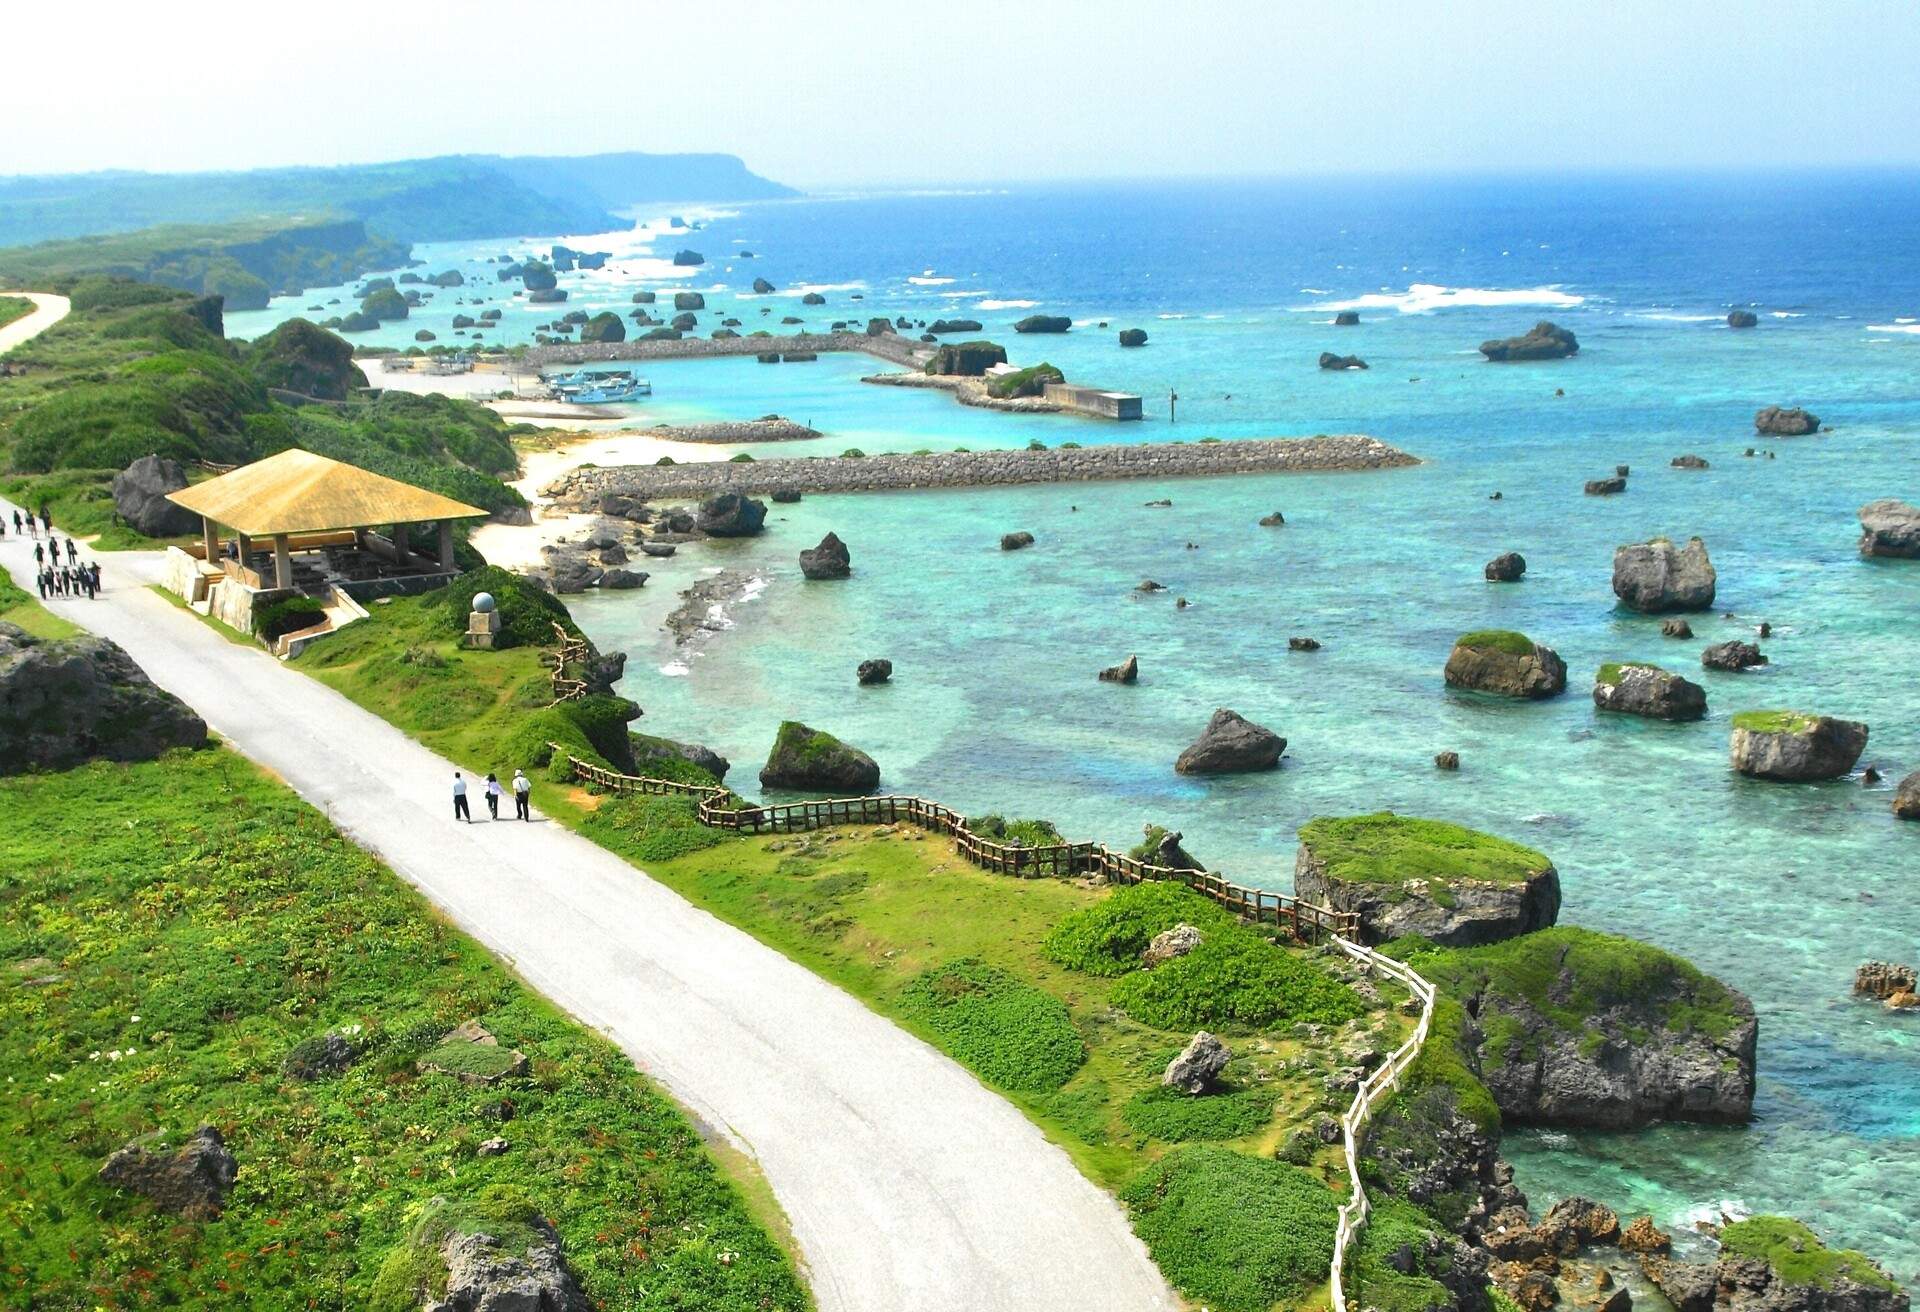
460, 811
493, 797
521, 787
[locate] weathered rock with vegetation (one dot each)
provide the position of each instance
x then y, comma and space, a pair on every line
1891, 528
1786, 421
499, 1255
1656, 577
1776, 1264
1791, 746
1507, 567
70, 700
1505, 663
299, 357
1231, 744
1197, 1066
1031, 381
1733, 655
1044, 323
603, 327
1442, 882
1570, 1027
1328, 360
810, 760
1638, 689
1544, 341
191, 1182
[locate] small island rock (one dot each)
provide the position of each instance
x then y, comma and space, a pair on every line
731, 515
1231, 744
1734, 656
1887, 528
1127, 671
1507, 567
871, 672
1133, 337
1742, 319
1015, 541
1791, 747
1506, 663
828, 560
1544, 341
1649, 691
1656, 577
1328, 360
1786, 421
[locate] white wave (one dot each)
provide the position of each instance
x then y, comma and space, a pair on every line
1426, 297
1710, 1213
676, 669
801, 289
928, 280
1904, 318
1787, 314
1898, 326
1006, 305
1169, 316
1315, 291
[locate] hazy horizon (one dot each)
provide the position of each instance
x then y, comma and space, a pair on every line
845, 93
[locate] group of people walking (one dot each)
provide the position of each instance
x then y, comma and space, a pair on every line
52, 575
28, 526
520, 784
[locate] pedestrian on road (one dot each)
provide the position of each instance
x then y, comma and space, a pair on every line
73, 552
460, 811
94, 570
46, 521
521, 787
40, 578
39, 554
493, 797
16, 523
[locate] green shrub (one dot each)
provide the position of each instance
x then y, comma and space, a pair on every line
527, 613
1036, 445
1394, 1230
1237, 1232
1773, 721
648, 828
1797, 1255
1030, 381
741, 457
1004, 1030
853, 453
1235, 977
1177, 1117
665, 460
661, 758
1504, 640
279, 617
1384, 848
1027, 833
1108, 937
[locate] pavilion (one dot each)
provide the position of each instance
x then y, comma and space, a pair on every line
305, 503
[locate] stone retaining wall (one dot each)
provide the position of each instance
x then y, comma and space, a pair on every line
891, 347
583, 488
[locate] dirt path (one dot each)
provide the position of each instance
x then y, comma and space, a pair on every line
910, 1186
48, 311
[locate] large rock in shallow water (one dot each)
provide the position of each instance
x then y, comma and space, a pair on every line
1506, 663
70, 700
808, 760
967, 359
1890, 528
1786, 421
1906, 797
1544, 341
731, 515
1792, 747
1656, 577
1044, 323
140, 497
829, 560
192, 1182
1231, 744
1570, 1027
1402, 876
1648, 690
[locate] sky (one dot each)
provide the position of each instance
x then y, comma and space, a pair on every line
827, 94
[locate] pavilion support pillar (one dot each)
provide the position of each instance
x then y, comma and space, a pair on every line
245, 546
210, 540
446, 545
402, 555
282, 562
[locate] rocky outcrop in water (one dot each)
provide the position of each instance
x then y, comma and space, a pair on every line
810, 760
1742, 319
1544, 341
688, 259
966, 359
1689, 462
1044, 323
1775, 1264
828, 560
1507, 567
1887, 982
762, 287
1507, 664
192, 1182
1791, 747
1016, 541
1649, 691
1231, 744
731, 515
66, 701
1198, 1065
140, 497
1605, 487
1346, 319
873, 672
1127, 671
1786, 421
1656, 577
1887, 528
1328, 360
1906, 797
1732, 656
1133, 337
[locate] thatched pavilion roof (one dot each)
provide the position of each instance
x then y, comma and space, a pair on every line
299, 492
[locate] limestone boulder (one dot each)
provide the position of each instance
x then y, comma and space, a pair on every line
1328, 360
1742, 319
1231, 744
731, 515
1127, 671
1887, 528
1506, 664
1198, 1065
1544, 341
1507, 567
192, 1182
1657, 577
1732, 656
828, 560
488, 1272
1648, 690
810, 760
70, 700
1171, 943
140, 497
1786, 421
1792, 747
1906, 797
1016, 541
870, 673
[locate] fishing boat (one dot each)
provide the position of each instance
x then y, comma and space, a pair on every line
609, 393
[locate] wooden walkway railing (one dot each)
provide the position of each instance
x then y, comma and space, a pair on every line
570, 650
721, 808
1373, 1091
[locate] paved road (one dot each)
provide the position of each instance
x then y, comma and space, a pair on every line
48, 311
908, 1184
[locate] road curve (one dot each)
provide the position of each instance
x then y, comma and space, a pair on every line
909, 1185
48, 310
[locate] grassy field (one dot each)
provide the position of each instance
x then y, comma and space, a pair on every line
14, 307
169, 932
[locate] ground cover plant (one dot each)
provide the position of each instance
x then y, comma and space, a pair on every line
170, 934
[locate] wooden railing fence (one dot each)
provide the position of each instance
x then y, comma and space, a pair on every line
570, 650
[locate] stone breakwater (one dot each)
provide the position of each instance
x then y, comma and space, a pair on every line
771, 429
583, 489
891, 347
967, 391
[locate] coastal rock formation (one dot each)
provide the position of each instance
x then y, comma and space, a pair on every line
1127, 671
1689, 462
1544, 341
192, 1182
1656, 577
1775, 1264
809, 760
1792, 747
547, 296
1133, 337
767, 428
1044, 323
1016, 541
1301, 643
649, 751
603, 327
1786, 421
619, 579
873, 672
1171, 943
1506, 663
1886, 982
813, 298
966, 359
140, 497
731, 515
645, 298
1198, 1065
1640, 1235
1328, 360
829, 560
1507, 567
1275, 520
762, 287
1648, 690
497, 1264
70, 700
688, 259
684, 321
1346, 319
1906, 797
1575, 1223
1742, 319
1162, 847
1887, 528
1605, 487
1448, 760
1231, 744
299, 357
785, 496
689, 301
537, 277
1403, 876
1733, 656
941, 327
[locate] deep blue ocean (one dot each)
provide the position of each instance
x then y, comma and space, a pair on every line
1780, 890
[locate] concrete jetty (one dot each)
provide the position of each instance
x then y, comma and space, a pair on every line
583, 489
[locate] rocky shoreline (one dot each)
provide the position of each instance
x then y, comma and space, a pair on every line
967, 391
585, 488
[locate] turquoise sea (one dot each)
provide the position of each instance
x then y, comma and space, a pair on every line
1778, 890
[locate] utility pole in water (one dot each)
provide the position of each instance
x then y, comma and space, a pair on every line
1172, 397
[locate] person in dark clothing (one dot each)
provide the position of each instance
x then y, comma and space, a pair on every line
16, 521
46, 521
39, 554
40, 578
73, 553
94, 570
492, 790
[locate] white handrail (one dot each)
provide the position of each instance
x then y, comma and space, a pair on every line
1373, 1090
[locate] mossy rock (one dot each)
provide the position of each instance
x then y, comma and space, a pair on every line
1794, 747
473, 1062
1796, 1256
811, 760
1406, 876
1507, 664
